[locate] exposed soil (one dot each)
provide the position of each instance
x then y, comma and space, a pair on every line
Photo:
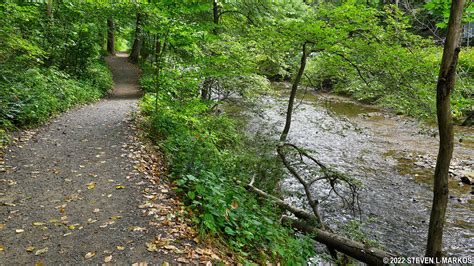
84, 189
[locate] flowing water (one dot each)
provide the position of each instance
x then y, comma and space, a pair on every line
392, 156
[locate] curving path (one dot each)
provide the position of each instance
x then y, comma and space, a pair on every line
71, 194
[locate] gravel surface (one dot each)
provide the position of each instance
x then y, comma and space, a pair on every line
70, 193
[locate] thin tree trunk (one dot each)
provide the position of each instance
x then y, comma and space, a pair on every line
207, 83
446, 81
137, 43
294, 88
49, 8
110, 36
215, 12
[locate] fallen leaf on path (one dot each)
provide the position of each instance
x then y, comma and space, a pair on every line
183, 260
104, 225
38, 223
2, 226
165, 264
136, 228
19, 231
108, 259
30, 249
91, 185
2, 248
140, 264
71, 227
170, 247
91, 221
39, 263
120, 248
116, 217
41, 251
119, 187
151, 247
89, 255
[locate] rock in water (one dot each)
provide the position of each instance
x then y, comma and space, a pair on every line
468, 178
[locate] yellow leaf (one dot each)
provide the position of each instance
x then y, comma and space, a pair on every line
136, 228
30, 249
2, 226
108, 259
120, 247
38, 223
38, 263
41, 251
2, 248
91, 185
89, 255
170, 247
151, 247
116, 217
119, 187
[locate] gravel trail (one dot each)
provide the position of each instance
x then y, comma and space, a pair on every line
71, 194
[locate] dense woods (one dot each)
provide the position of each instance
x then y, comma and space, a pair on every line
202, 60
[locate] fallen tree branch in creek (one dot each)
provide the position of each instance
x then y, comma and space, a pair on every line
354, 249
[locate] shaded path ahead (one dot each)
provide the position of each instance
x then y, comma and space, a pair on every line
72, 192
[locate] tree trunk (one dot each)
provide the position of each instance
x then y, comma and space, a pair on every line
294, 88
137, 43
354, 249
446, 81
110, 36
49, 8
215, 12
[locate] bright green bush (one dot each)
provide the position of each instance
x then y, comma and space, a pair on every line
39, 93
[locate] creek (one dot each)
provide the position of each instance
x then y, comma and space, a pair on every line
393, 156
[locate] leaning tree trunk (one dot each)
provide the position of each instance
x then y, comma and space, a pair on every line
294, 89
137, 43
110, 36
446, 81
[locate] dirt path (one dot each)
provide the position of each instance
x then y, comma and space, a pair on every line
83, 187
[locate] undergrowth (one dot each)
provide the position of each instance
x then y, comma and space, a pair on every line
30, 98
210, 163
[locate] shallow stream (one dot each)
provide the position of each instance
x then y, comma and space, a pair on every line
393, 156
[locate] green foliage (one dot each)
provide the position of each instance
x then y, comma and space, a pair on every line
39, 93
48, 64
210, 165
386, 64
440, 9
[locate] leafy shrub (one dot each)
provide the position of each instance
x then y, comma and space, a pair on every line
39, 93
210, 164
